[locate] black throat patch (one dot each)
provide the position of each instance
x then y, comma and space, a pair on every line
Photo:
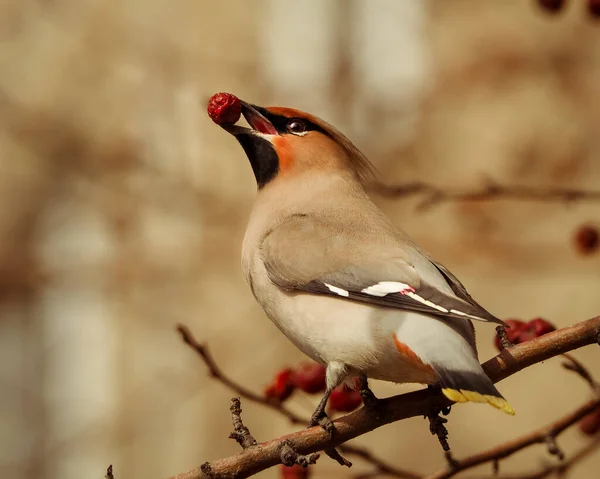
262, 156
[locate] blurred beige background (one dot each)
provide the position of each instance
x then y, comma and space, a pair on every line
122, 209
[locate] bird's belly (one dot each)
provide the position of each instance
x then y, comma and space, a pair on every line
361, 336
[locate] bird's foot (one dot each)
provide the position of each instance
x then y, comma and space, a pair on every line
373, 405
320, 418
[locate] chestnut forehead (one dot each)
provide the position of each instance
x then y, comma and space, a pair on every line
291, 113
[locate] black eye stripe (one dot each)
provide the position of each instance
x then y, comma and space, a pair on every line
281, 122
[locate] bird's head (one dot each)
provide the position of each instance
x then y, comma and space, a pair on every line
284, 142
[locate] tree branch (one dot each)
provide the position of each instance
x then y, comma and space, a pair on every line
418, 403
240, 432
432, 195
562, 467
539, 436
246, 393
279, 407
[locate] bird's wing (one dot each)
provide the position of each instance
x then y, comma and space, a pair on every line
307, 255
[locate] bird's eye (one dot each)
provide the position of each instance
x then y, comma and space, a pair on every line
296, 127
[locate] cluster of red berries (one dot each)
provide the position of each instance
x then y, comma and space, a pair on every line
310, 378
520, 331
554, 6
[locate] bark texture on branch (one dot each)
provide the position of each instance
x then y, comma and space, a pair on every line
510, 361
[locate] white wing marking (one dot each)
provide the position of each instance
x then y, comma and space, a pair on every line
336, 290
460, 313
418, 298
383, 288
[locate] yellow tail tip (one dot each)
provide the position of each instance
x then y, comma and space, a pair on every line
464, 395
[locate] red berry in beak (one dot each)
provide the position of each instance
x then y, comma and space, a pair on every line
587, 238
310, 377
344, 399
282, 387
224, 108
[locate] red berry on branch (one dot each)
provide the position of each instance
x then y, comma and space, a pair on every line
224, 108
594, 8
344, 399
587, 238
551, 6
541, 326
590, 424
282, 386
534, 329
310, 377
294, 472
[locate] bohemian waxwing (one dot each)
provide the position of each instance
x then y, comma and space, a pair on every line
347, 287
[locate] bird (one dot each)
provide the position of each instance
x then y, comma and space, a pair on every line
344, 284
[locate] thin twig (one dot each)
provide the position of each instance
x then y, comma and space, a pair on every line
334, 454
433, 195
561, 468
544, 435
380, 466
417, 403
240, 390
579, 369
240, 432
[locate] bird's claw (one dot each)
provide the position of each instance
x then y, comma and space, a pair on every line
324, 421
373, 405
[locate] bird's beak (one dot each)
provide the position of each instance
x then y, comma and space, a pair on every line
257, 142
255, 116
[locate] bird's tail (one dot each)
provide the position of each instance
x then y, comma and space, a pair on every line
470, 386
